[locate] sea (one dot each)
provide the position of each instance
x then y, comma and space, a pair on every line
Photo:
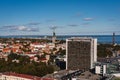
105, 39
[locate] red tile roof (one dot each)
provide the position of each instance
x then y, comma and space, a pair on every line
43, 59
6, 50
25, 76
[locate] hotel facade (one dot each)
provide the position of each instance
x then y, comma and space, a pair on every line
81, 53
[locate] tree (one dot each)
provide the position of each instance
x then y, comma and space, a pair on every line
102, 50
13, 56
24, 59
116, 48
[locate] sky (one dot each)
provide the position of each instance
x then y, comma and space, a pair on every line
67, 17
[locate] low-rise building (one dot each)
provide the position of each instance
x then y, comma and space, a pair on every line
101, 69
16, 76
87, 76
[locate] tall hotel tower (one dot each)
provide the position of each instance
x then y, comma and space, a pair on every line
81, 53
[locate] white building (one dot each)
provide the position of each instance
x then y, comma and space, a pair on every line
81, 53
101, 69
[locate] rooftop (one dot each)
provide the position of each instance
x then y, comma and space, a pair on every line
25, 76
81, 38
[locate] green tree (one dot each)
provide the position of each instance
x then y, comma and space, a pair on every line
104, 50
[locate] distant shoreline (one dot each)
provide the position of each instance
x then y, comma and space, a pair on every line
61, 35
100, 38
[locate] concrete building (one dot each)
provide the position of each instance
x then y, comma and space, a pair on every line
87, 76
81, 53
64, 74
101, 69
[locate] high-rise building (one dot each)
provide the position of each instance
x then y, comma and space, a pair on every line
81, 53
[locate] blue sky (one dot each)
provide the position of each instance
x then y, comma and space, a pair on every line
37, 17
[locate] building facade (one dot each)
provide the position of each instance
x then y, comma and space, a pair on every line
81, 53
101, 69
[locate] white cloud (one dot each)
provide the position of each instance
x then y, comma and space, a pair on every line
50, 20
88, 19
78, 15
33, 23
22, 28
85, 24
53, 27
73, 25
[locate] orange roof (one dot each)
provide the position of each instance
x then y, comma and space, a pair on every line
15, 49
36, 43
6, 49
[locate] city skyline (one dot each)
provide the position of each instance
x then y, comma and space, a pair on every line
76, 17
